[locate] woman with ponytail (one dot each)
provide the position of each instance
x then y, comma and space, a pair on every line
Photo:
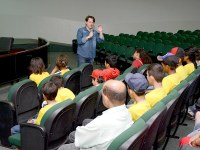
190, 59
140, 57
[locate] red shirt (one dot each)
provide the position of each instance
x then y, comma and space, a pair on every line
110, 73
137, 63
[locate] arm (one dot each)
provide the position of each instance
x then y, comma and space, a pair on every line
83, 39
55, 69
100, 37
87, 136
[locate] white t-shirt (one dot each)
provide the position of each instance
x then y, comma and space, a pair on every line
99, 133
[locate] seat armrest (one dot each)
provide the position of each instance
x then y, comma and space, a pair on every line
33, 137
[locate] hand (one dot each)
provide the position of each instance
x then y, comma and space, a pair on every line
30, 121
91, 34
100, 29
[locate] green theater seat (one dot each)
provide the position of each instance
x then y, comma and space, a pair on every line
52, 132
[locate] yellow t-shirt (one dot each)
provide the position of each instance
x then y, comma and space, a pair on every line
37, 78
64, 94
170, 82
189, 68
138, 109
64, 71
42, 112
180, 70
155, 96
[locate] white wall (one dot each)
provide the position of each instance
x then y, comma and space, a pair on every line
58, 20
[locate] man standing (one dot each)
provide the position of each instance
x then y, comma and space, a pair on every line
86, 39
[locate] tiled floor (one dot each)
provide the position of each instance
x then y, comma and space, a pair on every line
173, 143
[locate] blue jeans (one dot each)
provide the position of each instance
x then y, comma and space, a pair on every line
15, 129
82, 60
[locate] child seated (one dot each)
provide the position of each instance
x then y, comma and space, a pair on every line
37, 69
97, 77
61, 65
63, 93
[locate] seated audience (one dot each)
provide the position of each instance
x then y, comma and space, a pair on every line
63, 93
155, 75
111, 71
49, 91
140, 58
169, 63
190, 59
137, 85
37, 69
100, 132
97, 77
180, 70
61, 65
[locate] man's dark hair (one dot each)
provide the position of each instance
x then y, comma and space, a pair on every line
111, 60
156, 70
57, 80
87, 18
113, 95
137, 93
99, 79
50, 90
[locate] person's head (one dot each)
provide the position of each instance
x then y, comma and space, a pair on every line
169, 62
141, 54
198, 54
136, 84
89, 22
49, 91
57, 80
179, 53
97, 77
155, 73
190, 56
111, 61
114, 93
61, 61
37, 65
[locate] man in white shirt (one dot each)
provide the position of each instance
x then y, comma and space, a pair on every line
100, 132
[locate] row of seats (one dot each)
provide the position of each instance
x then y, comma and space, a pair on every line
157, 43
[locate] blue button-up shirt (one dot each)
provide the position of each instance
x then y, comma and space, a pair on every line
85, 48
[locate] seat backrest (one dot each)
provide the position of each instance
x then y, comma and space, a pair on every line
130, 69
181, 86
85, 105
99, 105
130, 138
72, 80
58, 122
85, 80
143, 69
6, 44
152, 119
170, 102
24, 96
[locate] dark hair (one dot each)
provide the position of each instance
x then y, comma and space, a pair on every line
87, 18
156, 70
61, 61
146, 59
114, 95
111, 60
191, 53
137, 93
198, 54
99, 79
50, 90
57, 80
37, 65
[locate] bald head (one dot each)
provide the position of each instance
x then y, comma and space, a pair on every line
115, 91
